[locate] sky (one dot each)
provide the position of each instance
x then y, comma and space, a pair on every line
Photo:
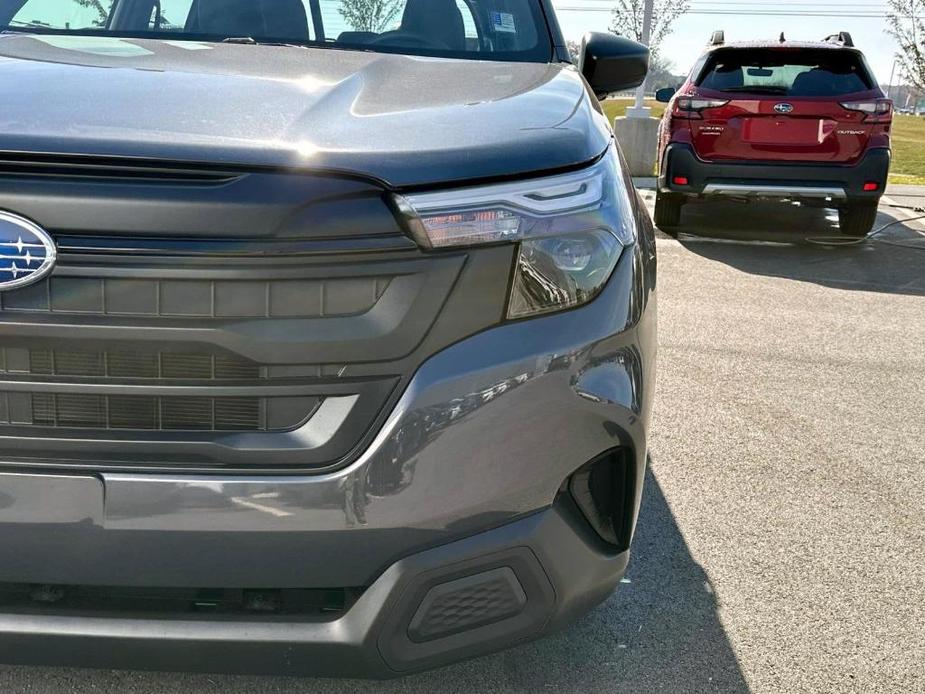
693, 30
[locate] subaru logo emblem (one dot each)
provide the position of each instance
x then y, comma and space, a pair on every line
783, 108
27, 253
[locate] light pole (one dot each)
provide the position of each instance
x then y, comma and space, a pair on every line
639, 109
889, 88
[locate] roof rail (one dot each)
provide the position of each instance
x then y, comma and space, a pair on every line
842, 37
718, 38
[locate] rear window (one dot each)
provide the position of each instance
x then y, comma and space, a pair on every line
479, 29
786, 72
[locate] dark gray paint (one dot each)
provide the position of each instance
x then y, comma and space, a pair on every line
462, 467
407, 121
430, 302
557, 562
461, 451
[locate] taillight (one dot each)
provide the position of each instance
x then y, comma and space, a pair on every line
690, 107
874, 110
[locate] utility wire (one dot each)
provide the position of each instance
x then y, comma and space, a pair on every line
757, 13
761, 5
701, 5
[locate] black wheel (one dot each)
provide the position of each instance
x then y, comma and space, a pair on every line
857, 219
667, 210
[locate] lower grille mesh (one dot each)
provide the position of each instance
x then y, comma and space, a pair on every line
149, 413
138, 365
135, 365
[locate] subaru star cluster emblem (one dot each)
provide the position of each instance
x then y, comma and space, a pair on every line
783, 108
27, 253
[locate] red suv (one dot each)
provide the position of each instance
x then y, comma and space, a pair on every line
787, 120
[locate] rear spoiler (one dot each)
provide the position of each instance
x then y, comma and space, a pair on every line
718, 38
842, 37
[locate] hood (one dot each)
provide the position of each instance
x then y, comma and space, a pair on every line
403, 120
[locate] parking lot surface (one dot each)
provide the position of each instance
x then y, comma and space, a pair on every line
781, 537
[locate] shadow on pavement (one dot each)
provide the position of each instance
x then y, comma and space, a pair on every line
668, 614
659, 633
727, 232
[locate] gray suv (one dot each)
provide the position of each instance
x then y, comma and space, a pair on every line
327, 332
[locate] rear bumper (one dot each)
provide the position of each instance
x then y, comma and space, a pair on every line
553, 569
466, 476
770, 179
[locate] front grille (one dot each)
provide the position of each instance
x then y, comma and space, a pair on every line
155, 413
189, 298
142, 412
170, 298
140, 365
128, 365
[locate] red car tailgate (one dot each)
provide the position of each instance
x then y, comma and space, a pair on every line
780, 129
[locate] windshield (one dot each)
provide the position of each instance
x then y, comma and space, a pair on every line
480, 29
786, 72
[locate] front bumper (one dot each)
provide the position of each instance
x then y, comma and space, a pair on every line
467, 475
772, 179
556, 570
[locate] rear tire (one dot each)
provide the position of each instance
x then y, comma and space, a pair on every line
667, 210
857, 219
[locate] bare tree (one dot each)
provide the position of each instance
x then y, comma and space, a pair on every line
661, 73
101, 7
628, 15
906, 22
370, 15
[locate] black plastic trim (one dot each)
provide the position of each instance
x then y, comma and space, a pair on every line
218, 248
552, 553
603, 491
681, 160
246, 452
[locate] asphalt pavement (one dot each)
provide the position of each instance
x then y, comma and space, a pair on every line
782, 536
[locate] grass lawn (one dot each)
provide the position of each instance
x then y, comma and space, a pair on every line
908, 150
617, 107
908, 141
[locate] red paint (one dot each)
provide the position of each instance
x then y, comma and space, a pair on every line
769, 127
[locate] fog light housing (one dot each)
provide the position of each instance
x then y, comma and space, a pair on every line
604, 490
870, 187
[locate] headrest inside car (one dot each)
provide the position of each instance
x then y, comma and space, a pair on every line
437, 19
282, 19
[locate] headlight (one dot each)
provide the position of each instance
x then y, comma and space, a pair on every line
571, 229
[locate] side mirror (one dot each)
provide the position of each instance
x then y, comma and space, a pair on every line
664, 95
612, 63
